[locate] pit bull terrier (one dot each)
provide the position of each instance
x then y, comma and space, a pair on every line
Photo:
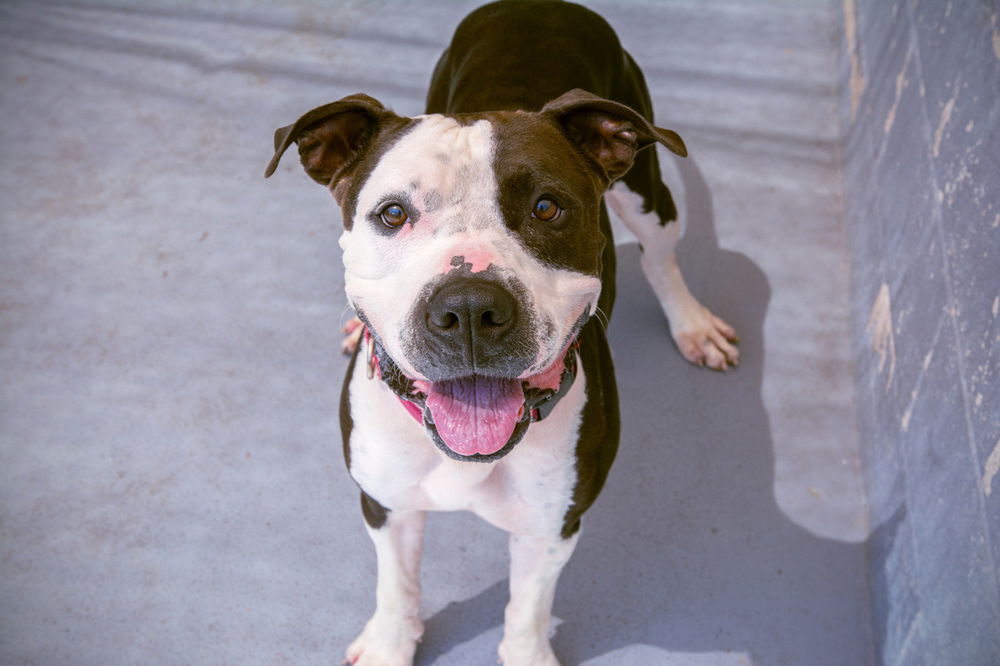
478, 257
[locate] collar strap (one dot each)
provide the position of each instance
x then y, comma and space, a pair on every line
538, 402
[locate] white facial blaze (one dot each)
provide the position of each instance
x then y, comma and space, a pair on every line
442, 173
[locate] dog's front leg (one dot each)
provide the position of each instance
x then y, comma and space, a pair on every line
390, 638
535, 564
702, 337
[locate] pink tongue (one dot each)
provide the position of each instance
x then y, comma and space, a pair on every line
475, 414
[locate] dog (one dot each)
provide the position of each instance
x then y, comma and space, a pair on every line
479, 261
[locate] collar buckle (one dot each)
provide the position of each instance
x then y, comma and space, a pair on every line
370, 359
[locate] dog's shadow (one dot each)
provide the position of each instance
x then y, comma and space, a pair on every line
686, 552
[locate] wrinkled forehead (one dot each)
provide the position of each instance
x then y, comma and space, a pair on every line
440, 163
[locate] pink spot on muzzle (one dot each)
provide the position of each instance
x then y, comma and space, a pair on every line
477, 260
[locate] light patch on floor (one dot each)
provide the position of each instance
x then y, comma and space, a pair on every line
991, 469
879, 330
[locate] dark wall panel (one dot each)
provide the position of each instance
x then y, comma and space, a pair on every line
921, 155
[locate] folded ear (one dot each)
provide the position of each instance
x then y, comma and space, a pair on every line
609, 132
331, 137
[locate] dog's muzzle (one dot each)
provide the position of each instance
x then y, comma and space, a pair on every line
475, 418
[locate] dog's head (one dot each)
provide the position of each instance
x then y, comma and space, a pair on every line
472, 243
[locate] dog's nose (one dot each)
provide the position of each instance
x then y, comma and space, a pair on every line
474, 324
469, 312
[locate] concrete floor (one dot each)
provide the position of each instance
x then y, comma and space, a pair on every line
171, 483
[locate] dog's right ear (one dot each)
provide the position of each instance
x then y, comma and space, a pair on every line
331, 137
608, 132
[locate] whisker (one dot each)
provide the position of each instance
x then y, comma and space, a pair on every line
349, 312
602, 318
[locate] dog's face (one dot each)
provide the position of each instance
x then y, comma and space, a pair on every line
472, 244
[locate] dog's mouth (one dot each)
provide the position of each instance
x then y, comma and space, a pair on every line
474, 415
477, 418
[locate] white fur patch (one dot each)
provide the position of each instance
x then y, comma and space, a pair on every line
390, 638
528, 491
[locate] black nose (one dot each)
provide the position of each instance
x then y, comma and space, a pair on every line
468, 313
472, 324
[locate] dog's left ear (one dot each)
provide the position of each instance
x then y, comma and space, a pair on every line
609, 132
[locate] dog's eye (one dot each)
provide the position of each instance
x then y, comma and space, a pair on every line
393, 215
546, 210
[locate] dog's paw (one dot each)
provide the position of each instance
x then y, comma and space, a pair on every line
540, 654
353, 330
704, 339
390, 643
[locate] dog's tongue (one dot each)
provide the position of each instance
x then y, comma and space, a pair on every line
475, 414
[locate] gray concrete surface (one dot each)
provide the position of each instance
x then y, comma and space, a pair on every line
171, 483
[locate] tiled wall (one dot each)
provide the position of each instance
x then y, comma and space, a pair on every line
920, 107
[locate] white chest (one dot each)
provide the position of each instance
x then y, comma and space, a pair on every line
527, 491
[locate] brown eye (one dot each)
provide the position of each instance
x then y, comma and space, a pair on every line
393, 216
546, 210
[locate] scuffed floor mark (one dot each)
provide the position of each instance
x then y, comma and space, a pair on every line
939, 132
857, 80
992, 467
879, 329
904, 421
901, 82
907, 415
996, 36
